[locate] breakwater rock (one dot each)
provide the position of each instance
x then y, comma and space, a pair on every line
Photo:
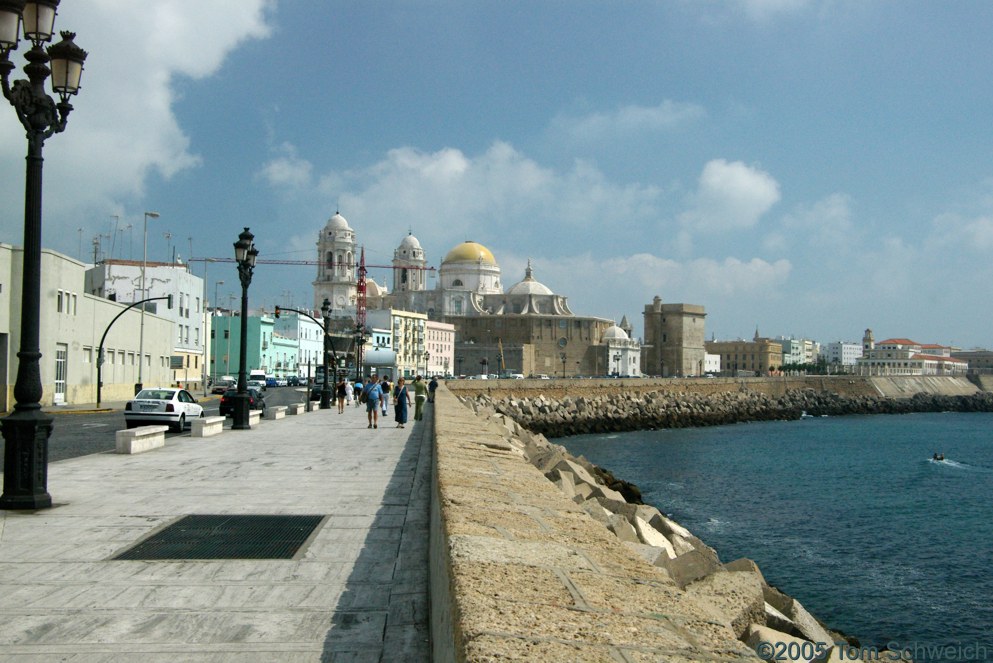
628, 411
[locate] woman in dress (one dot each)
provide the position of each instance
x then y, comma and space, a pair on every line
401, 399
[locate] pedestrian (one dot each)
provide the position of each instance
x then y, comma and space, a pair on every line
401, 399
420, 395
358, 391
384, 390
339, 391
372, 395
349, 391
432, 386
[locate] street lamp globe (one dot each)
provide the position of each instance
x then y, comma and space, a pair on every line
67, 66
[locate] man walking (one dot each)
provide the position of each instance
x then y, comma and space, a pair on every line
432, 386
384, 390
372, 394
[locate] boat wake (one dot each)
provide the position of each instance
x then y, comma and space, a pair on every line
947, 462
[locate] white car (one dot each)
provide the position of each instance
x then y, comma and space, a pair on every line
162, 405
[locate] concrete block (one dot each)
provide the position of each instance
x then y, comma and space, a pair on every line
206, 426
296, 408
620, 526
737, 595
688, 567
254, 417
772, 641
648, 553
274, 412
140, 439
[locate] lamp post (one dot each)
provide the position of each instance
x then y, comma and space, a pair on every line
617, 364
325, 386
562, 357
245, 255
427, 358
141, 331
359, 342
26, 431
213, 345
485, 363
459, 360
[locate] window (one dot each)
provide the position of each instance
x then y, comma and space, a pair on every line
227, 333
87, 355
58, 302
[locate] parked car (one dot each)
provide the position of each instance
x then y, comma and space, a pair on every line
271, 382
221, 386
162, 405
282, 382
293, 381
257, 384
255, 401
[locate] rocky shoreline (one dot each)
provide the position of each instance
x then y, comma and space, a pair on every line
619, 412
761, 616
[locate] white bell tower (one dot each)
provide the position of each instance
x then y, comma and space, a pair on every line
336, 270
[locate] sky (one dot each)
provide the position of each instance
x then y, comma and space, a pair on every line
807, 168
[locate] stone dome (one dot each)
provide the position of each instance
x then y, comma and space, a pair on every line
470, 252
410, 243
373, 289
337, 222
529, 286
615, 332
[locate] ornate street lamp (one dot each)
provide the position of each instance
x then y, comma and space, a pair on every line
245, 254
562, 357
359, 342
617, 364
26, 431
325, 386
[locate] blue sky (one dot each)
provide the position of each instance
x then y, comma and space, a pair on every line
804, 167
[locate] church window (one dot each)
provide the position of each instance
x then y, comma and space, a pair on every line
457, 283
330, 260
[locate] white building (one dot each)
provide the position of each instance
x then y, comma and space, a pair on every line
711, 364
901, 356
120, 280
799, 350
622, 354
72, 324
842, 353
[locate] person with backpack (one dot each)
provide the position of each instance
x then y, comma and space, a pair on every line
384, 390
372, 394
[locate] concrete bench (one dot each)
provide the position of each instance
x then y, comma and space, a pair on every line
296, 408
142, 438
274, 412
254, 417
206, 426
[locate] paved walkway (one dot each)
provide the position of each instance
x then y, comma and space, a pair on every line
357, 590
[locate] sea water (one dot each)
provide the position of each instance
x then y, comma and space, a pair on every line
849, 515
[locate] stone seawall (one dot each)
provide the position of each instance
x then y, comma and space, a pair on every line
624, 411
537, 555
534, 557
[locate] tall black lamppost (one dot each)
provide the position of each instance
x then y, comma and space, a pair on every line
326, 387
245, 254
617, 364
359, 342
459, 360
485, 363
427, 359
26, 431
562, 357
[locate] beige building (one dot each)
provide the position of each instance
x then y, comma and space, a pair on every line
674, 339
760, 356
439, 347
72, 323
902, 356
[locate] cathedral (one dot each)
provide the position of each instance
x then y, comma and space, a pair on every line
526, 329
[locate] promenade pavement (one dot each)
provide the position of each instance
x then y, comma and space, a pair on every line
355, 591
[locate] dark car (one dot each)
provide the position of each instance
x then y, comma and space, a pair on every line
255, 401
294, 381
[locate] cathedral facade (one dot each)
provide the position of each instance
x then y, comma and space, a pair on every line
526, 328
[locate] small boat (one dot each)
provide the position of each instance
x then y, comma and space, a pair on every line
938, 457
804, 415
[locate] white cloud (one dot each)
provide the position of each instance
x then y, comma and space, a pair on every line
631, 120
288, 170
952, 232
826, 224
450, 193
730, 195
124, 127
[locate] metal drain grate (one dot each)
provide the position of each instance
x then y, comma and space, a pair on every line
227, 537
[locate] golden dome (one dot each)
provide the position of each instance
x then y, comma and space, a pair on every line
470, 252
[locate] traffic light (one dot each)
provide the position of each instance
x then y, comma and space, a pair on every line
277, 311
